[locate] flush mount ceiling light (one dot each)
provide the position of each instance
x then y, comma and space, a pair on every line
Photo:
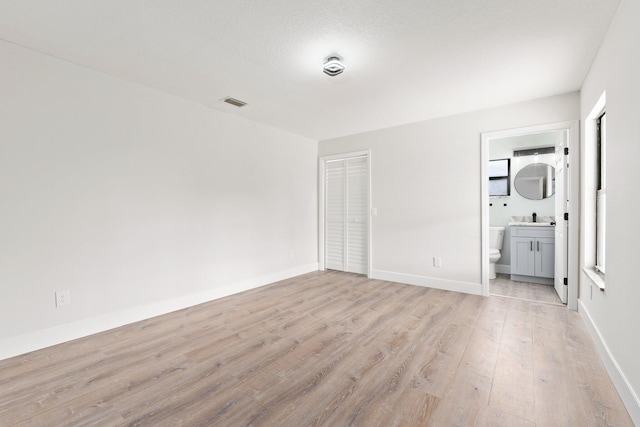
333, 66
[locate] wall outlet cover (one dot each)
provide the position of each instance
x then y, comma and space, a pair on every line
63, 298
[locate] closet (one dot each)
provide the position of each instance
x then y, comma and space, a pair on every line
346, 213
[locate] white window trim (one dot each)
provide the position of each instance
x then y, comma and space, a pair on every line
589, 194
601, 230
601, 196
596, 277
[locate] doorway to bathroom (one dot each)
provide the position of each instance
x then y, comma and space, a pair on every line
528, 233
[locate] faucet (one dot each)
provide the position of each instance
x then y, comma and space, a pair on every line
534, 217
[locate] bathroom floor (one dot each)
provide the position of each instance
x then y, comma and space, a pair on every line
503, 286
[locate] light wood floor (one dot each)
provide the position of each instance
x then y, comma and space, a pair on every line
328, 349
502, 285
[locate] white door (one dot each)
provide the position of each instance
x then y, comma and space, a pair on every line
346, 205
334, 206
561, 235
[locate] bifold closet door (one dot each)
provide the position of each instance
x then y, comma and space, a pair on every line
346, 215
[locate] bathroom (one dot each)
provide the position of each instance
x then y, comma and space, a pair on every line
507, 159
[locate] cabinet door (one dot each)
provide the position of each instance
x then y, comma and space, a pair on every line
545, 257
522, 256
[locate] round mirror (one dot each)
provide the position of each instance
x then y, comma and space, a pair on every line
536, 181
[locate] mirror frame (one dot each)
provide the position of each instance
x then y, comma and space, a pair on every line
528, 172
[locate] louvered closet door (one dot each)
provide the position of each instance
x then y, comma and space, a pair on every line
334, 215
357, 214
346, 215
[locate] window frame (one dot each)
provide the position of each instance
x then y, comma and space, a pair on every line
601, 192
590, 186
506, 177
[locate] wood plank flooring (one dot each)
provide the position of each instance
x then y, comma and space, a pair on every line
324, 349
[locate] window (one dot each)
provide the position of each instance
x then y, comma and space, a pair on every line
500, 177
594, 209
601, 191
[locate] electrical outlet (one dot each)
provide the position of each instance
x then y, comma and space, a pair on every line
63, 298
437, 261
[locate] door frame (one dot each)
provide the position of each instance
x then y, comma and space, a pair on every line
561, 230
572, 128
322, 162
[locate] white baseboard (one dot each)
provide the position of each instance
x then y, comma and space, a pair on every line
625, 390
21, 344
503, 268
428, 282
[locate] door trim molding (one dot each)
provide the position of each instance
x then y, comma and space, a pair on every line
322, 161
573, 134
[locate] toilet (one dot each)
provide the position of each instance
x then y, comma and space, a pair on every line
496, 236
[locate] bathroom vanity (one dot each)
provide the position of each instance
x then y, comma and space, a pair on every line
533, 253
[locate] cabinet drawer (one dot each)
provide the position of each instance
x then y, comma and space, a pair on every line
532, 231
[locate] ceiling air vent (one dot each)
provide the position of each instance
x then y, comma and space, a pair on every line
235, 102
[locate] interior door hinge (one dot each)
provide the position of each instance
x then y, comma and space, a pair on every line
566, 281
566, 216
566, 151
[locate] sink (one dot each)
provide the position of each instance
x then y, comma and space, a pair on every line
541, 221
531, 224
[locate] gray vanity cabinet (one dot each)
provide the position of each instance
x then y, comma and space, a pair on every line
532, 254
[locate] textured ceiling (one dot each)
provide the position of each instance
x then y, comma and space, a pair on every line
407, 60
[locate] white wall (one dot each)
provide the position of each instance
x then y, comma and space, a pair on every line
426, 185
615, 312
135, 201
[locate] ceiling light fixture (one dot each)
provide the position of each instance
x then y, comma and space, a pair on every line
333, 66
